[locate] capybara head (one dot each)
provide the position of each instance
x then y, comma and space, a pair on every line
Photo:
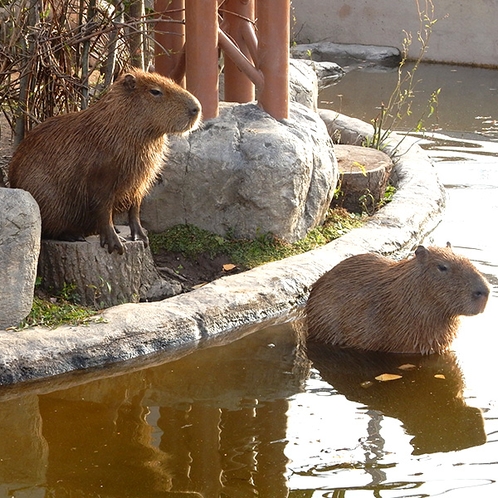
411, 306
451, 281
159, 102
83, 167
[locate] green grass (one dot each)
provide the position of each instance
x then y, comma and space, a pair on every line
248, 253
60, 309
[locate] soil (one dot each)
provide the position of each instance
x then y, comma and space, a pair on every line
193, 273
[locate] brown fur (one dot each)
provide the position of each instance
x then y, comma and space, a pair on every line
83, 167
412, 306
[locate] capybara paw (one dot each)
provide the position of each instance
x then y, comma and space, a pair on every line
142, 237
112, 243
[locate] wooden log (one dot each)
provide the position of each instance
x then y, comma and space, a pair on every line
363, 177
101, 279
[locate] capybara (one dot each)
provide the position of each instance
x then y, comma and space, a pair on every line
85, 166
372, 303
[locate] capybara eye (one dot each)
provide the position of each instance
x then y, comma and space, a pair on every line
155, 92
442, 267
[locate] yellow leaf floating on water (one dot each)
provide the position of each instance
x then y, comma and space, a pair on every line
387, 377
439, 376
407, 366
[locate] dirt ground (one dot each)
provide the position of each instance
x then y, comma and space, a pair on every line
194, 273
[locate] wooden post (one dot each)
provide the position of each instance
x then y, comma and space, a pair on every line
273, 55
236, 13
170, 38
201, 52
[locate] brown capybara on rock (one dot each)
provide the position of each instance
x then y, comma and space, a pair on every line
83, 167
372, 303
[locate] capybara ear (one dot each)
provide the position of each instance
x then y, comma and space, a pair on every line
130, 82
448, 245
421, 253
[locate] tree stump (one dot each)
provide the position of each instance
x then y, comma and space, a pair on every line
101, 279
363, 177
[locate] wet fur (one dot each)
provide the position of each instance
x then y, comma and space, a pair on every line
84, 167
372, 303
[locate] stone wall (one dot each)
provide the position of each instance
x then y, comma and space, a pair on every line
465, 32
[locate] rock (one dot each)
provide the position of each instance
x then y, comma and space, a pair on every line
364, 174
303, 83
328, 73
344, 129
102, 279
20, 226
348, 54
246, 174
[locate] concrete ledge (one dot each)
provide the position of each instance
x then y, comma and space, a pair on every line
219, 309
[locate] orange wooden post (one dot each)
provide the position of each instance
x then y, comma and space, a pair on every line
170, 37
236, 16
273, 54
201, 52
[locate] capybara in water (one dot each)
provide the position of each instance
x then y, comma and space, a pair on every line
83, 167
372, 303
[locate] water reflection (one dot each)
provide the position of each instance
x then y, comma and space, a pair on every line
215, 423
210, 424
427, 398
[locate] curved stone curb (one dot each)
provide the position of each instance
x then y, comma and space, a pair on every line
221, 307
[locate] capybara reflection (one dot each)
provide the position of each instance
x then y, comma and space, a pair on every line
83, 167
427, 397
372, 303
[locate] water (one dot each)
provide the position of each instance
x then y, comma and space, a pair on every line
259, 418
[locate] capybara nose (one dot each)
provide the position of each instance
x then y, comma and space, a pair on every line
481, 294
194, 110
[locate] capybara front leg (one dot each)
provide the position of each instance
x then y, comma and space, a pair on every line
109, 237
136, 229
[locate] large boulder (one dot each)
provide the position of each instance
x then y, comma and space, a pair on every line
247, 174
20, 226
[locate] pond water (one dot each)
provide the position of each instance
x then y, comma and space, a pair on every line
258, 417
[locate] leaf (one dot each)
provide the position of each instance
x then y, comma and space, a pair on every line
439, 376
198, 286
229, 267
407, 366
387, 377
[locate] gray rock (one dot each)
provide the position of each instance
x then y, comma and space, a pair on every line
328, 73
247, 174
344, 129
303, 83
347, 54
20, 226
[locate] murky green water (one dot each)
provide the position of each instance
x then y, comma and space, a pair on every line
258, 417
